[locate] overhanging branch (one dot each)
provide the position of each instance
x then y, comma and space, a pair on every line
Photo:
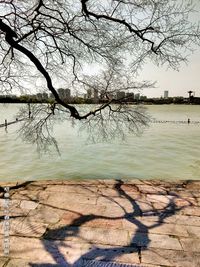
9, 35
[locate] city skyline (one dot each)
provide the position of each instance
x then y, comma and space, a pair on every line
178, 83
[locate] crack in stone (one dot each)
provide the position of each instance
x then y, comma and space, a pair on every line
6, 263
139, 253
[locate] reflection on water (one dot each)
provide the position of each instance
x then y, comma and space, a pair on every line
164, 151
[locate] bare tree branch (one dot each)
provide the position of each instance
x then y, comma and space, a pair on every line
53, 41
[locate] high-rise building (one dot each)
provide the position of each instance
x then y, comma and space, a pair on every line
89, 93
120, 95
95, 95
130, 96
137, 96
64, 94
51, 96
143, 97
102, 94
166, 94
68, 93
39, 96
44, 95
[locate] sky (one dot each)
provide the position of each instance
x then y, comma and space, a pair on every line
178, 83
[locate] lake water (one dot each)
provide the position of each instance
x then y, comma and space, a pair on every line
164, 151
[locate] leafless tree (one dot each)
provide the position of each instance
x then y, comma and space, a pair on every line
52, 41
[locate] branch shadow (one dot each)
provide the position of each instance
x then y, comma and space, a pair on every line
139, 241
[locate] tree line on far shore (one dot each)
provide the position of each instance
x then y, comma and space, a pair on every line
82, 100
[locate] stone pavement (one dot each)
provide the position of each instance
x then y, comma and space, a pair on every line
61, 223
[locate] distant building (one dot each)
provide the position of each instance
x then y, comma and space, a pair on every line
68, 93
64, 94
137, 96
8, 96
166, 94
45, 95
130, 96
120, 95
89, 93
143, 97
179, 100
102, 94
95, 96
39, 96
191, 96
190, 93
51, 96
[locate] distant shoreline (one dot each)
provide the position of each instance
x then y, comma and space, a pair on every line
158, 102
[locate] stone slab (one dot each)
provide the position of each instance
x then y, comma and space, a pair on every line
154, 241
18, 263
170, 258
45, 214
63, 221
28, 205
23, 227
79, 189
41, 252
190, 244
183, 220
32, 195
150, 189
193, 231
124, 254
90, 234
3, 261
74, 219
193, 211
156, 227
64, 200
80, 208
108, 192
193, 185
166, 199
119, 202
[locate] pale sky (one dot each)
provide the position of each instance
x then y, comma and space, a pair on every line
176, 82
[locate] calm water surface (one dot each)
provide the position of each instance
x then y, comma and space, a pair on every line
164, 151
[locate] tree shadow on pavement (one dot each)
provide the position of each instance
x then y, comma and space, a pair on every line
139, 241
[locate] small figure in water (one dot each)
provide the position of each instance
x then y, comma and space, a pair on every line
6, 125
29, 110
188, 121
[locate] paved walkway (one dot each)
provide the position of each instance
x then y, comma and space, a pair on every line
64, 223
